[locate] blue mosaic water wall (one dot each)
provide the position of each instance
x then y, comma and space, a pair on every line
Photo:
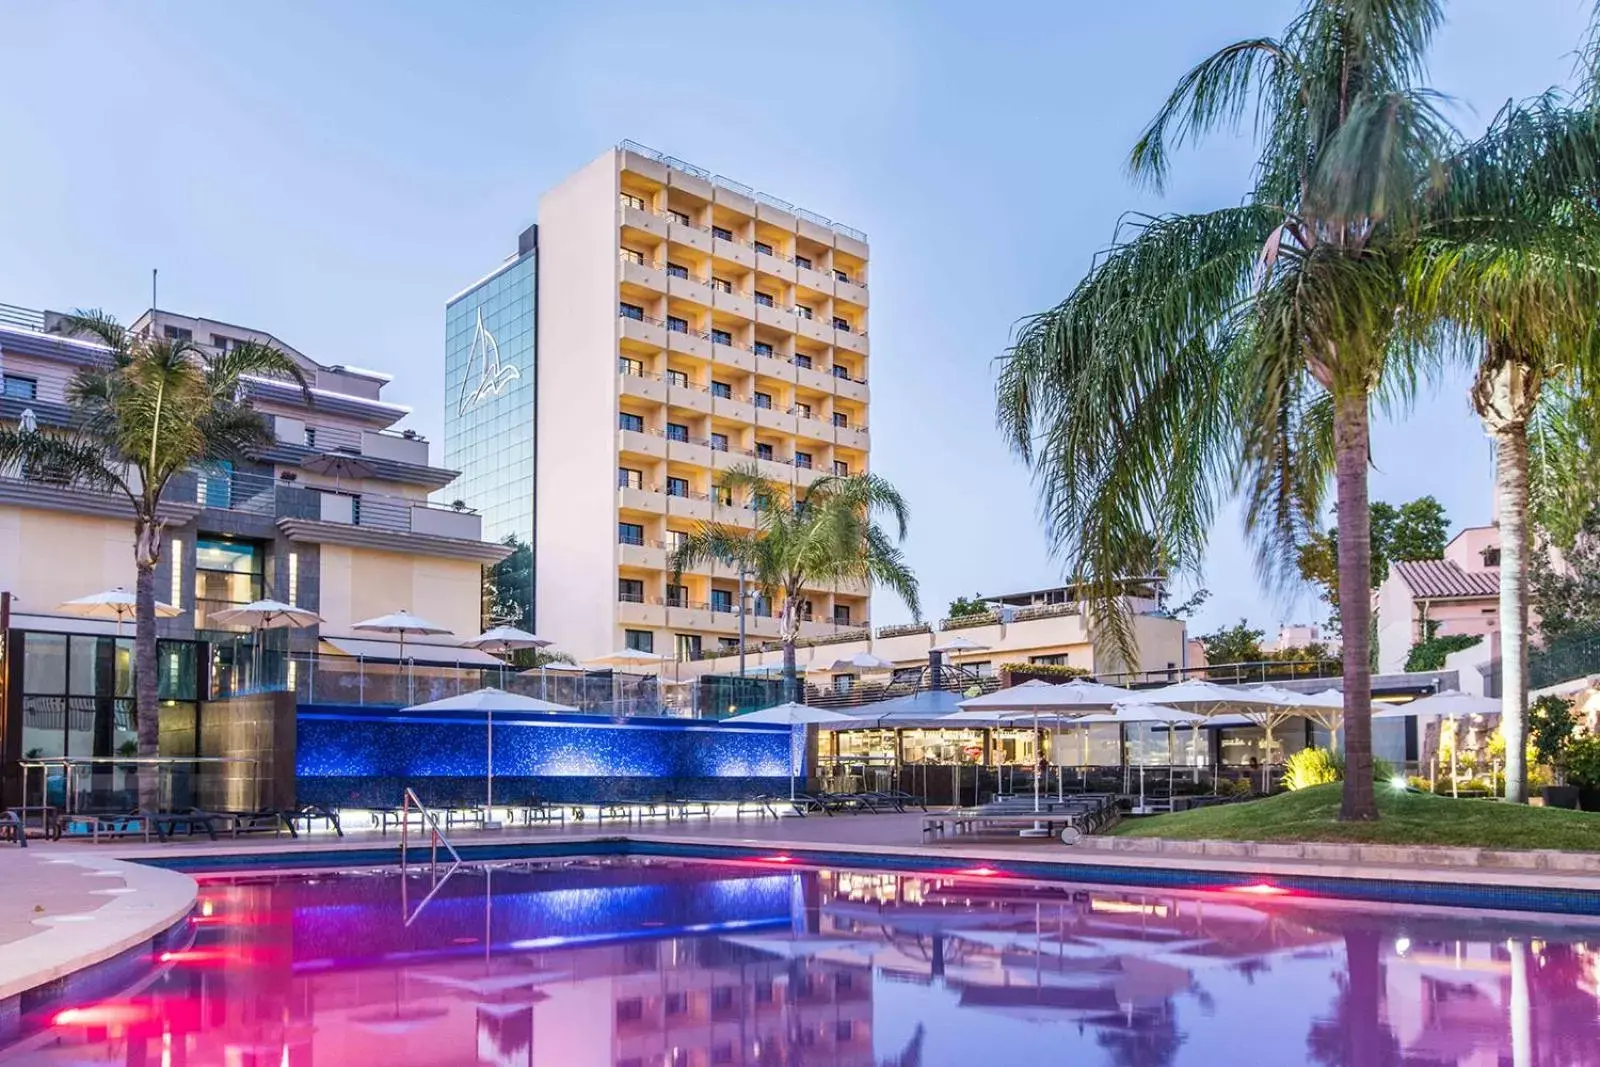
353, 756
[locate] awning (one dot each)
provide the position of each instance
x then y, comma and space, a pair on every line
435, 655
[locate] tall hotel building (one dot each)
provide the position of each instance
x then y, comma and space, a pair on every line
659, 325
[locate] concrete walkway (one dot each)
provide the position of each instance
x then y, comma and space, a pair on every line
62, 910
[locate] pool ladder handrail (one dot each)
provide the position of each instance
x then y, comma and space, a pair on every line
436, 837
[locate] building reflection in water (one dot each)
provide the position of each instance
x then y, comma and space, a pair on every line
664, 963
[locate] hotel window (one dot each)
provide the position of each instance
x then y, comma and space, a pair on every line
722, 600
803, 310
763, 451
841, 324
721, 390
802, 409
1057, 660
628, 478
227, 574
841, 469
677, 325
177, 333
311, 437
16, 387
721, 337
727, 644
294, 578
638, 641
805, 610
630, 590
764, 248
763, 400
630, 533
719, 442
175, 562
722, 233
628, 421
802, 261
841, 371
677, 431
843, 683
677, 596
842, 276
764, 299
631, 366
802, 361
841, 615
631, 311
761, 348
635, 202
677, 487
676, 539
722, 285
722, 495
633, 255
679, 217
678, 378
802, 459
686, 649
677, 270
841, 419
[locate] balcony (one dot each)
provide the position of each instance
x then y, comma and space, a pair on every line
641, 443
734, 251
850, 292
813, 378
852, 437
639, 385
850, 341
734, 303
274, 498
691, 397
777, 266
641, 499
643, 219
781, 421
689, 342
691, 235
733, 356
695, 506
814, 329
850, 389
635, 615
776, 470
691, 289
810, 278
645, 330
645, 275
809, 426
647, 557
734, 408
776, 317
696, 452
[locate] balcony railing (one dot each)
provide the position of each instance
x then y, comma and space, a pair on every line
281, 498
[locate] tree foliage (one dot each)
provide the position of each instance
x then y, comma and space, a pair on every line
964, 608
1415, 530
1239, 643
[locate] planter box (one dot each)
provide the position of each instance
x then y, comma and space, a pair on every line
1560, 796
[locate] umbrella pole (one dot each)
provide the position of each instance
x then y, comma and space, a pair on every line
1171, 729
488, 779
1036, 764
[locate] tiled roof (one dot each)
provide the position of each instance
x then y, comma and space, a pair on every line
1430, 579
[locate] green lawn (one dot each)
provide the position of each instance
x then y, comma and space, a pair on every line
1408, 819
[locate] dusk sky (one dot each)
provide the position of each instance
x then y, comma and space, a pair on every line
332, 173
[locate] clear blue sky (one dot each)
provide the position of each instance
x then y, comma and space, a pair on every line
332, 172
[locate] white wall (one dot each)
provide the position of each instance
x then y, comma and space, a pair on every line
575, 533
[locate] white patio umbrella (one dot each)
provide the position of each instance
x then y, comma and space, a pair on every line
266, 615
502, 639
1451, 704
958, 644
115, 604
788, 714
1209, 698
489, 700
1066, 700
1326, 708
629, 657
400, 623
1135, 712
862, 661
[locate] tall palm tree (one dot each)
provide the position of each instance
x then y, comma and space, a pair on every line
1507, 273
1240, 350
826, 534
151, 409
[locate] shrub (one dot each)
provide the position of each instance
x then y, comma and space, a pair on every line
1382, 770
1311, 766
1583, 762
1550, 729
1017, 673
1430, 655
1239, 787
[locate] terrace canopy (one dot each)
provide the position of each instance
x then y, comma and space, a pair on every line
489, 700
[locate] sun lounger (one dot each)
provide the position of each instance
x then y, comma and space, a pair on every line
310, 813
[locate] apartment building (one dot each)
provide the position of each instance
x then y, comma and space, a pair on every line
682, 324
332, 516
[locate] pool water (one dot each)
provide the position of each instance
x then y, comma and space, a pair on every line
633, 962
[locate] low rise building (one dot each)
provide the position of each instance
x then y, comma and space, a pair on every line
1459, 594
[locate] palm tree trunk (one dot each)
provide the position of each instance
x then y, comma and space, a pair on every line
1511, 483
1350, 437
147, 549
789, 632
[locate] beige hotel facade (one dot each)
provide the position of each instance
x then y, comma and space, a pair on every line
681, 324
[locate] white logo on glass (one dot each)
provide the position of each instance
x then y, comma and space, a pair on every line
493, 376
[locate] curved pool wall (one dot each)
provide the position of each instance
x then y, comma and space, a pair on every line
1550, 900
364, 757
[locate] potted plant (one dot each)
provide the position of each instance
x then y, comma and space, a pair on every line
1550, 727
459, 505
288, 476
1583, 770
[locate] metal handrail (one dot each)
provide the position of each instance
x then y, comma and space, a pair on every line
436, 838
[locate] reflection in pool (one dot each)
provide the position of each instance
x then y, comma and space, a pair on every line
667, 963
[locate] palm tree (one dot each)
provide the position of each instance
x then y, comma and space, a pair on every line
1240, 350
827, 534
1564, 460
153, 408
1508, 275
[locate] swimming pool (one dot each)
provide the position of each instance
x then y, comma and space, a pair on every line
674, 962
